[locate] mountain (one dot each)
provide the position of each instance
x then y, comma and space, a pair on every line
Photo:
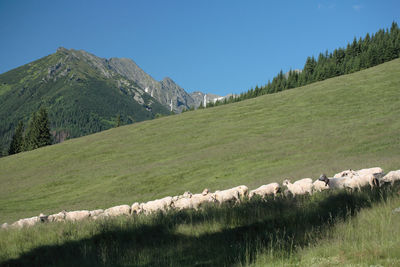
81, 92
164, 91
84, 94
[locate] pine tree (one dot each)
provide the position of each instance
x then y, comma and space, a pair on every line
118, 123
17, 141
31, 134
38, 133
43, 125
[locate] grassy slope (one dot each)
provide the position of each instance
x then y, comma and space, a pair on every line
327, 229
345, 122
370, 239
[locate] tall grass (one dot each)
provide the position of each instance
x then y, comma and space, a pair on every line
371, 238
272, 232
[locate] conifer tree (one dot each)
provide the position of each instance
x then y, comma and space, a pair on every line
118, 123
17, 141
43, 124
31, 134
38, 133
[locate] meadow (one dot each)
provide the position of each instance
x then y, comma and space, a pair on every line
345, 122
326, 229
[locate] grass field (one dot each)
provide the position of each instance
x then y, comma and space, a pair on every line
371, 238
327, 229
350, 121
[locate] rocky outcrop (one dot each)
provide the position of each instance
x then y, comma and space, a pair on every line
163, 91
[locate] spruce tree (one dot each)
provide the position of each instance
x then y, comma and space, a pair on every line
38, 133
118, 123
43, 125
17, 141
31, 134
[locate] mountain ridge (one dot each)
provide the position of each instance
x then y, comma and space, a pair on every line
83, 95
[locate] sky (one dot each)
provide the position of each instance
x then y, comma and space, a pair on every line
213, 46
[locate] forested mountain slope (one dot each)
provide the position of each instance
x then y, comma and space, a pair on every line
83, 94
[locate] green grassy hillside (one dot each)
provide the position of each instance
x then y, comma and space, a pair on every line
369, 239
350, 121
326, 229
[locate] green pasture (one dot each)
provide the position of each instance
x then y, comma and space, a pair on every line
352, 121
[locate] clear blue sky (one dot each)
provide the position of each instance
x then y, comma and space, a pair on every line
214, 46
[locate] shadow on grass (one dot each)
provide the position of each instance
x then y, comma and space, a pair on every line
241, 231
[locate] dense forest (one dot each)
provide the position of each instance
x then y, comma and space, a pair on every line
363, 53
37, 135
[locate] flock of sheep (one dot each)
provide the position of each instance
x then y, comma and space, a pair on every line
349, 179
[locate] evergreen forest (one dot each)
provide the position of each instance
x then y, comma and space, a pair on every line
360, 54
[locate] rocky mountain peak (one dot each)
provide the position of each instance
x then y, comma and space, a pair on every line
62, 49
164, 91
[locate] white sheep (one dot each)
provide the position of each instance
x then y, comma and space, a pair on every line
77, 215
306, 184
192, 201
58, 217
162, 204
180, 203
376, 171
200, 199
243, 190
359, 181
96, 214
117, 211
319, 186
334, 183
346, 173
300, 187
391, 177
265, 190
26, 222
228, 195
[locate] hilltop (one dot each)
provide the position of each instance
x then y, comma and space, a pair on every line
345, 122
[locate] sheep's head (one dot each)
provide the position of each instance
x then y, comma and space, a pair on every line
205, 191
286, 182
278, 190
43, 218
251, 194
213, 197
324, 178
187, 194
136, 208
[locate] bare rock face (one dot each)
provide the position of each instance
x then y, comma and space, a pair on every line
198, 97
164, 91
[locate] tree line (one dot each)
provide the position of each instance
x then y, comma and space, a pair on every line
36, 135
363, 53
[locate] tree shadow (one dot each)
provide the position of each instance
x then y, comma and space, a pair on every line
283, 225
